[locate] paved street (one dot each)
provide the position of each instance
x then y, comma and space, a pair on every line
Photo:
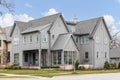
110, 76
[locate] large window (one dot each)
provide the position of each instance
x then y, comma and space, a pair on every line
86, 55
16, 58
26, 57
69, 57
56, 57
84, 40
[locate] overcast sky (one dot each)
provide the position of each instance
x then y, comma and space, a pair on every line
26, 10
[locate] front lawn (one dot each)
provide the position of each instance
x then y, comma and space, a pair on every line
51, 73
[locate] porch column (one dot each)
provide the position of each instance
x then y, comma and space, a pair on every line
39, 58
62, 56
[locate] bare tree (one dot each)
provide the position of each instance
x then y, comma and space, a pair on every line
8, 4
115, 42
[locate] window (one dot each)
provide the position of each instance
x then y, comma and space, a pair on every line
24, 39
84, 40
37, 38
16, 58
30, 38
26, 57
57, 57
86, 55
8, 57
44, 38
16, 40
97, 54
0, 43
76, 39
69, 57
53, 36
105, 54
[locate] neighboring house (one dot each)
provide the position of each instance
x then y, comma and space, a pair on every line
43, 42
93, 38
115, 55
5, 46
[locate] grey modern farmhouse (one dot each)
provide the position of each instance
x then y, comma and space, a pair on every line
52, 41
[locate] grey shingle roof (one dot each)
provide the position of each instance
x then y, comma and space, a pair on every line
115, 53
37, 22
60, 42
7, 31
87, 26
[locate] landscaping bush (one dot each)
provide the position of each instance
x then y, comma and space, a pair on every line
76, 65
81, 68
106, 65
12, 67
45, 67
119, 65
114, 66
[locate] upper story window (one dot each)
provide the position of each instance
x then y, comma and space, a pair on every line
76, 39
30, 38
53, 36
105, 54
24, 39
16, 40
44, 38
97, 54
84, 40
37, 38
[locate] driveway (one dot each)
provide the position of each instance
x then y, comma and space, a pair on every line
110, 76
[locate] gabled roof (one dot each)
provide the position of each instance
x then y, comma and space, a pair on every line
7, 31
115, 52
61, 41
35, 23
87, 26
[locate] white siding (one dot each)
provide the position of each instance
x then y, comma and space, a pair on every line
58, 28
101, 46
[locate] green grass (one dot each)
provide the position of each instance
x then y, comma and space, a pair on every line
51, 73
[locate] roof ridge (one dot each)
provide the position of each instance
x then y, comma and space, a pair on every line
90, 19
44, 17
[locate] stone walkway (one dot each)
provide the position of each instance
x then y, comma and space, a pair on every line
109, 76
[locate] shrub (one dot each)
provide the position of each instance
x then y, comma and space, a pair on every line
44, 67
114, 66
76, 65
12, 67
119, 65
81, 68
106, 65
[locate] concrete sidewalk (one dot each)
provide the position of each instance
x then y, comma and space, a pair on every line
109, 76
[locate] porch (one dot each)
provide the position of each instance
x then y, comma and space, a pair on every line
32, 58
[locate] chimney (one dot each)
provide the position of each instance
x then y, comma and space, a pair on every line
75, 19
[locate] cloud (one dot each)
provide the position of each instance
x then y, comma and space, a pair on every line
8, 19
28, 5
111, 23
50, 12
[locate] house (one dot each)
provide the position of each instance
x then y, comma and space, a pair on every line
92, 38
115, 55
43, 42
5, 46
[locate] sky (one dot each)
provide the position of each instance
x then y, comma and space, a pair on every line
26, 10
